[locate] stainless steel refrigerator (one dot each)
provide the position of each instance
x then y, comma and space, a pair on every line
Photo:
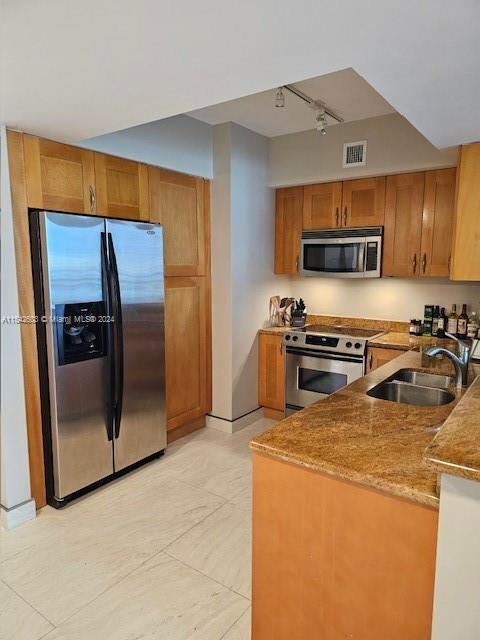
99, 294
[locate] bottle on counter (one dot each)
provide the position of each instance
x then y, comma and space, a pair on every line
452, 324
462, 323
435, 319
442, 323
413, 329
472, 326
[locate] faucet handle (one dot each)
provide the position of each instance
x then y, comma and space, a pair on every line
463, 347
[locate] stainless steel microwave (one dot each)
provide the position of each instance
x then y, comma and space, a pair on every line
342, 253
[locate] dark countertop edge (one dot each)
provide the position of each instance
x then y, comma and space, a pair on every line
369, 482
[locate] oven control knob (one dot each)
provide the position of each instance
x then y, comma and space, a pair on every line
294, 338
287, 337
358, 345
348, 344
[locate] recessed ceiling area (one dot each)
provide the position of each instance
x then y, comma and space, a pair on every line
345, 92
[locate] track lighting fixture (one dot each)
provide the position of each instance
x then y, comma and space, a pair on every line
279, 98
321, 121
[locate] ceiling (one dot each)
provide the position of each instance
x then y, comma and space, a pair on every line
345, 92
74, 70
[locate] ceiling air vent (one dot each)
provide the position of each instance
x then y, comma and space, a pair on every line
355, 154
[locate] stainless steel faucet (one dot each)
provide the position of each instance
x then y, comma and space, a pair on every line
460, 362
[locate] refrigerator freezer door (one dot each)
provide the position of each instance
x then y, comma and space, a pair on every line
137, 253
76, 352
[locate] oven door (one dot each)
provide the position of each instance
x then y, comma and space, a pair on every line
313, 375
334, 257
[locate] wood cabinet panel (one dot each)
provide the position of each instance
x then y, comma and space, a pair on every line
322, 205
466, 234
403, 225
177, 202
187, 349
345, 561
378, 356
121, 187
363, 202
288, 229
59, 177
271, 372
437, 222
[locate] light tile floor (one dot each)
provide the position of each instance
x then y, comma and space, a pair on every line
163, 553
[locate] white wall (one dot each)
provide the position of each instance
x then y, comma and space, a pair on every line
180, 143
382, 298
16, 504
456, 611
393, 146
242, 265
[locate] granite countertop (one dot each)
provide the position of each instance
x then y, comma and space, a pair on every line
456, 448
374, 442
404, 341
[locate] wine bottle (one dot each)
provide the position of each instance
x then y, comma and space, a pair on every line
462, 323
472, 326
452, 321
435, 319
442, 323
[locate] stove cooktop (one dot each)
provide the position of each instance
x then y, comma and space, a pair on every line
342, 330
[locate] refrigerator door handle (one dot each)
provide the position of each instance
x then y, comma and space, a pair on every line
118, 337
107, 284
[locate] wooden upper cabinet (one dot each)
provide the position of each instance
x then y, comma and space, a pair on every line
288, 229
178, 202
187, 344
363, 202
121, 187
403, 225
437, 223
466, 231
271, 371
59, 177
322, 204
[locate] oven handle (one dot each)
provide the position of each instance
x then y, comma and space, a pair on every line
326, 355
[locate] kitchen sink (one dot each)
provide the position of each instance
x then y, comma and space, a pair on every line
423, 379
407, 393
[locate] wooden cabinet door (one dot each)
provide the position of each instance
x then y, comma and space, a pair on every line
363, 202
288, 229
59, 177
188, 349
403, 225
271, 372
437, 224
466, 234
121, 187
378, 356
177, 202
322, 205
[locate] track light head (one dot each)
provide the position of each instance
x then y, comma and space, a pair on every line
279, 98
321, 122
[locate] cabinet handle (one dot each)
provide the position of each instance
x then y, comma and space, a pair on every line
93, 199
281, 347
414, 263
337, 217
449, 263
370, 361
424, 262
345, 217
297, 262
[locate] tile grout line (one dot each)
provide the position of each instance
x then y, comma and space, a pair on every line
185, 564
117, 582
29, 605
230, 628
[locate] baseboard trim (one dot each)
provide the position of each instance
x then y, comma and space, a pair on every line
185, 429
18, 515
232, 426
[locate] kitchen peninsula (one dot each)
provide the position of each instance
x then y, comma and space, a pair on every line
354, 508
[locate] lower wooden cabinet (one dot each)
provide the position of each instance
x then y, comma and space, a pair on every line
271, 372
378, 356
188, 349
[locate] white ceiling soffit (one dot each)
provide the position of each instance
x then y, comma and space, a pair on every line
345, 92
73, 70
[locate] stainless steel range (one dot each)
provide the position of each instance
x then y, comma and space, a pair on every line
322, 359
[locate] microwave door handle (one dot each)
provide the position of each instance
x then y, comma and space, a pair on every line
361, 258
